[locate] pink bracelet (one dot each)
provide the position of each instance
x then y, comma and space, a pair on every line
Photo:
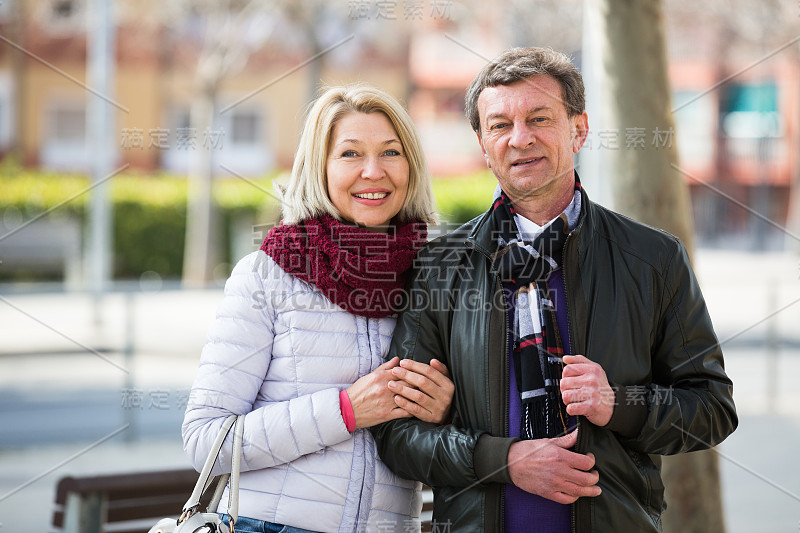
348, 416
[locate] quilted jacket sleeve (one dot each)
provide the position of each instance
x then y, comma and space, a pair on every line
232, 370
437, 455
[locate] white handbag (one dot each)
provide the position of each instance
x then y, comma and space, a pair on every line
193, 521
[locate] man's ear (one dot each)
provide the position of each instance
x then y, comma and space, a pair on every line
580, 123
483, 150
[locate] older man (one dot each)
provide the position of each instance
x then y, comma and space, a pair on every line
540, 440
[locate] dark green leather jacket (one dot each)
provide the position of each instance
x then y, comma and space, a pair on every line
634, 307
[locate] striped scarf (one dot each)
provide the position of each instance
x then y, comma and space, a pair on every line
537, 349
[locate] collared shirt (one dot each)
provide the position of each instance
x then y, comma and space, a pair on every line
529, 230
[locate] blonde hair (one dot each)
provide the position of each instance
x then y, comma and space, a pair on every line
306, 194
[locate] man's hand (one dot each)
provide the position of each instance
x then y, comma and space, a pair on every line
424, 391
546, 467
585, 390
371, 399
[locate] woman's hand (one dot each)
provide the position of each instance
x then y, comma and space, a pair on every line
372, 399
424, 391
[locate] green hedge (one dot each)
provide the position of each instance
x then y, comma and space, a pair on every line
150, 211
462, 198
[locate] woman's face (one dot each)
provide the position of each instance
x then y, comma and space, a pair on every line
367, 170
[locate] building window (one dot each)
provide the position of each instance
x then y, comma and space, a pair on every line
68, 125
751, 111
6, 9
63, 16
63, 9
695, 123
237, 139
64, 141
245, 128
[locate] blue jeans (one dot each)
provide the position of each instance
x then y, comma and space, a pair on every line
251, 525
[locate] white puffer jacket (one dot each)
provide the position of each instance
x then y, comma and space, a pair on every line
280, 351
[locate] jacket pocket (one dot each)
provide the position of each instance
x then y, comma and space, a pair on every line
653, 497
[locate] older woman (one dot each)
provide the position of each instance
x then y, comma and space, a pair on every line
304, 327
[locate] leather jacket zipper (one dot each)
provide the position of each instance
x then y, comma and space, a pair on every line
569, 336
507, 376
580, 443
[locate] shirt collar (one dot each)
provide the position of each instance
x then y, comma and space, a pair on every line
528, 230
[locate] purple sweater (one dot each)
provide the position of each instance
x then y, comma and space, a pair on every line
525, 511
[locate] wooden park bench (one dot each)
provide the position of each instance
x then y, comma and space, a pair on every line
126, 503
133, 503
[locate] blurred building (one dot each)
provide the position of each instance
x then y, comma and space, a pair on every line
260, 102
736, 117
740, 143
735, 74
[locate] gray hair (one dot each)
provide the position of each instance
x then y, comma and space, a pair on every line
516, 64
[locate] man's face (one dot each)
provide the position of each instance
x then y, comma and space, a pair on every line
527, 137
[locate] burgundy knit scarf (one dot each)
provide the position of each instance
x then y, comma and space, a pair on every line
361, 271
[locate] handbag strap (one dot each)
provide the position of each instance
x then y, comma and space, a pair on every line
236, 464
222, 481
205, 475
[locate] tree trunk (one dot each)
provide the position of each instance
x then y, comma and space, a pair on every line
648, 188
201, 250
645, 185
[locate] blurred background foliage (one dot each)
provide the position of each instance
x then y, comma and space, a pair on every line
149, 225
